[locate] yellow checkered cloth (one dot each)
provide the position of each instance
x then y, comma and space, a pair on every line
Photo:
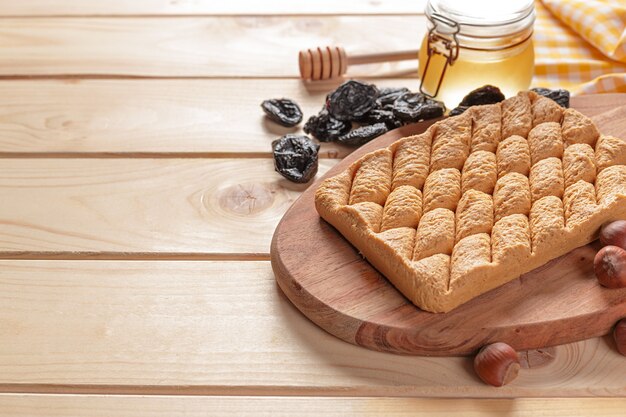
580, 45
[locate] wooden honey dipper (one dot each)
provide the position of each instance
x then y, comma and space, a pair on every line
332, 61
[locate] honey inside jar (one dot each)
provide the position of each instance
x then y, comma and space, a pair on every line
470, 44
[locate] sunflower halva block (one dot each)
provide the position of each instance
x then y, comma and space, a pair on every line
479, 199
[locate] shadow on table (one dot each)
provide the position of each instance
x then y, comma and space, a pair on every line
376, 371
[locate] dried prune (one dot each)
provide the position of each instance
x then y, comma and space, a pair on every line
363, 134
283, 111
487, 94
458, 110
390, 94
295, 157
413, 107
381, 116
352, 100
325, 127
561, 96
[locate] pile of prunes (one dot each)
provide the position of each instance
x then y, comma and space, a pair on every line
357, 112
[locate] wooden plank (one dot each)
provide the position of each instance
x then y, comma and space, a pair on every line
197, 46
164, 117
141, 208
13, 405
224, 328
150, 117
202, 7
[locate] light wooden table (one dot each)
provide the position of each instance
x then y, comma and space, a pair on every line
137, 203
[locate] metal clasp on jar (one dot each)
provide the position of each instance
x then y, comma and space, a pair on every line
442, 40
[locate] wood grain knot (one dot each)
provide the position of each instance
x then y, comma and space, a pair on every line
61, 122
247, 199
537, 358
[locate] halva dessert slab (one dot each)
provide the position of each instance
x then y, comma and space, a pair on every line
479, 199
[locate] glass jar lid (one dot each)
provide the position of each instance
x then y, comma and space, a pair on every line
483, 24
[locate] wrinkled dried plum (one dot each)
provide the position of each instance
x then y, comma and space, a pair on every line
363, 134
283, 111
458, 110
352, 100
295, 157
390, 94
325, 127
413, 107
487, 94
561, 96
381, 116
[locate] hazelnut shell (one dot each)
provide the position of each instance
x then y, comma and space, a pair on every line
614, 234
610, 266
497, 364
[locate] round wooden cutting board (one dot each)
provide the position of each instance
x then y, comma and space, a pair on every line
328, 280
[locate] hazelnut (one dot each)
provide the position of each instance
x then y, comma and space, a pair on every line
497, 364
610, 267
619, 334
614, 233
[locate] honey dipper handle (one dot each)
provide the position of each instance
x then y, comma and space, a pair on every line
382, 57
328, 62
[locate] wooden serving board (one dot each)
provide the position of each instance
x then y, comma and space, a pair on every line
328, 280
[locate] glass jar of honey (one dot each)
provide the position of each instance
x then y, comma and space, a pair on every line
473, 43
